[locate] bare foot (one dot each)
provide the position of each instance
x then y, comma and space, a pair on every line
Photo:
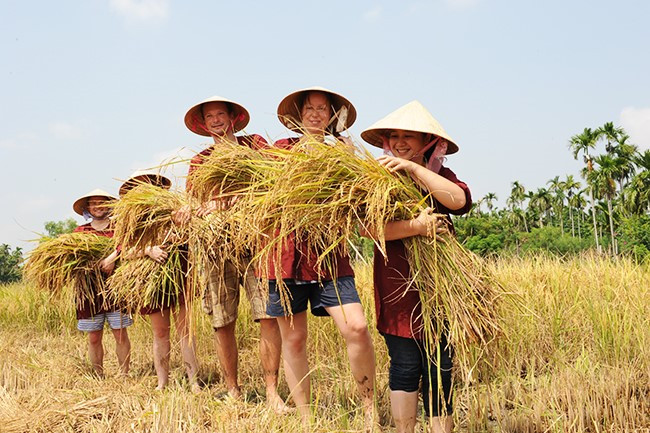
370, 418
234, 393
275, 402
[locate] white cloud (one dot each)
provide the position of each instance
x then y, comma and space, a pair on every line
636, 122
142, 9
462, 4
22, 140
65, 131
372, 15
8, 144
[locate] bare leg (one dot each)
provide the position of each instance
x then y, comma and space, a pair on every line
96, 351
122, 349
226, 345
161, 347
296, 365
441, 424
354, 329
404, 406
270, 349
188, 346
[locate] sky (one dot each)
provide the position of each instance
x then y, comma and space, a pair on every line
91, 90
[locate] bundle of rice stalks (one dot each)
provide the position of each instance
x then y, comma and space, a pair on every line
143, 283
144, 217
327, 190
70, 261
145, 220
232, 170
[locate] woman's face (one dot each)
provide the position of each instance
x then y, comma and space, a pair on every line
97, 207
316, 113
405, 144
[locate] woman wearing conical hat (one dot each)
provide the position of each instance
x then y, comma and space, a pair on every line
160, 314
318, 112
414, 142
93, 314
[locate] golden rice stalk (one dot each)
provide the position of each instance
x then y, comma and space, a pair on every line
231, 169
144, 217
71, 261
327, 190
143, 283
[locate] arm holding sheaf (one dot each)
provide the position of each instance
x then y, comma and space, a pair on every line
445, 191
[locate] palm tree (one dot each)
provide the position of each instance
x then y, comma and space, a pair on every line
625, 156
637, 192
581, 143
603, 178
557, 187
541, 200
611, 134
517, 196
489, 200
579, 203
570, 184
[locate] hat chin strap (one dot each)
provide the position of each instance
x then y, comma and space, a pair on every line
437, 158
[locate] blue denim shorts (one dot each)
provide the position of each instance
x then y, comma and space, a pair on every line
318, 294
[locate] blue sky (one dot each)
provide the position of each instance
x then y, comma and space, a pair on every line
92, 89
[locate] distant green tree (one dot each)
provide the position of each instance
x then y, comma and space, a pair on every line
10, 264
56, 228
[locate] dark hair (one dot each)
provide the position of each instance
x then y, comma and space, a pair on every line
301, 100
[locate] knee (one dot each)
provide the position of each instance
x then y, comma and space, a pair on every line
356, 331
121, 336
95, 338
404, 376
295, 343
161, 333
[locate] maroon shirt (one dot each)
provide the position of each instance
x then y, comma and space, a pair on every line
298, 262
253, 141
397, 305
86, 311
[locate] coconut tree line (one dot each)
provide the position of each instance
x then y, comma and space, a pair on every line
615, 184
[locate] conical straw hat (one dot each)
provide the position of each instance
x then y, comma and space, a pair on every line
82, 202
139, 176
289, 111
194, 117
411, 117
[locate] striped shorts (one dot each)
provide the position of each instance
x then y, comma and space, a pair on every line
115, 319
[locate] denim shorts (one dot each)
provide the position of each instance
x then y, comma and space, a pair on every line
318, 294
409, 365
115, 319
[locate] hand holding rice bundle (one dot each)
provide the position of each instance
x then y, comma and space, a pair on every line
70, 261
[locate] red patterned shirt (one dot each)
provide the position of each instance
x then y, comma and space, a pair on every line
397, 305
88, 310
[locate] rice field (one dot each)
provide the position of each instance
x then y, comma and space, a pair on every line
576, 359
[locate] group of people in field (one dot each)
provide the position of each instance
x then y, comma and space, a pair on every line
413, 142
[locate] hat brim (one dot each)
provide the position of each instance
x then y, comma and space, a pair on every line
289, 111
82, 203
375, 138
154, 179
194, 116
